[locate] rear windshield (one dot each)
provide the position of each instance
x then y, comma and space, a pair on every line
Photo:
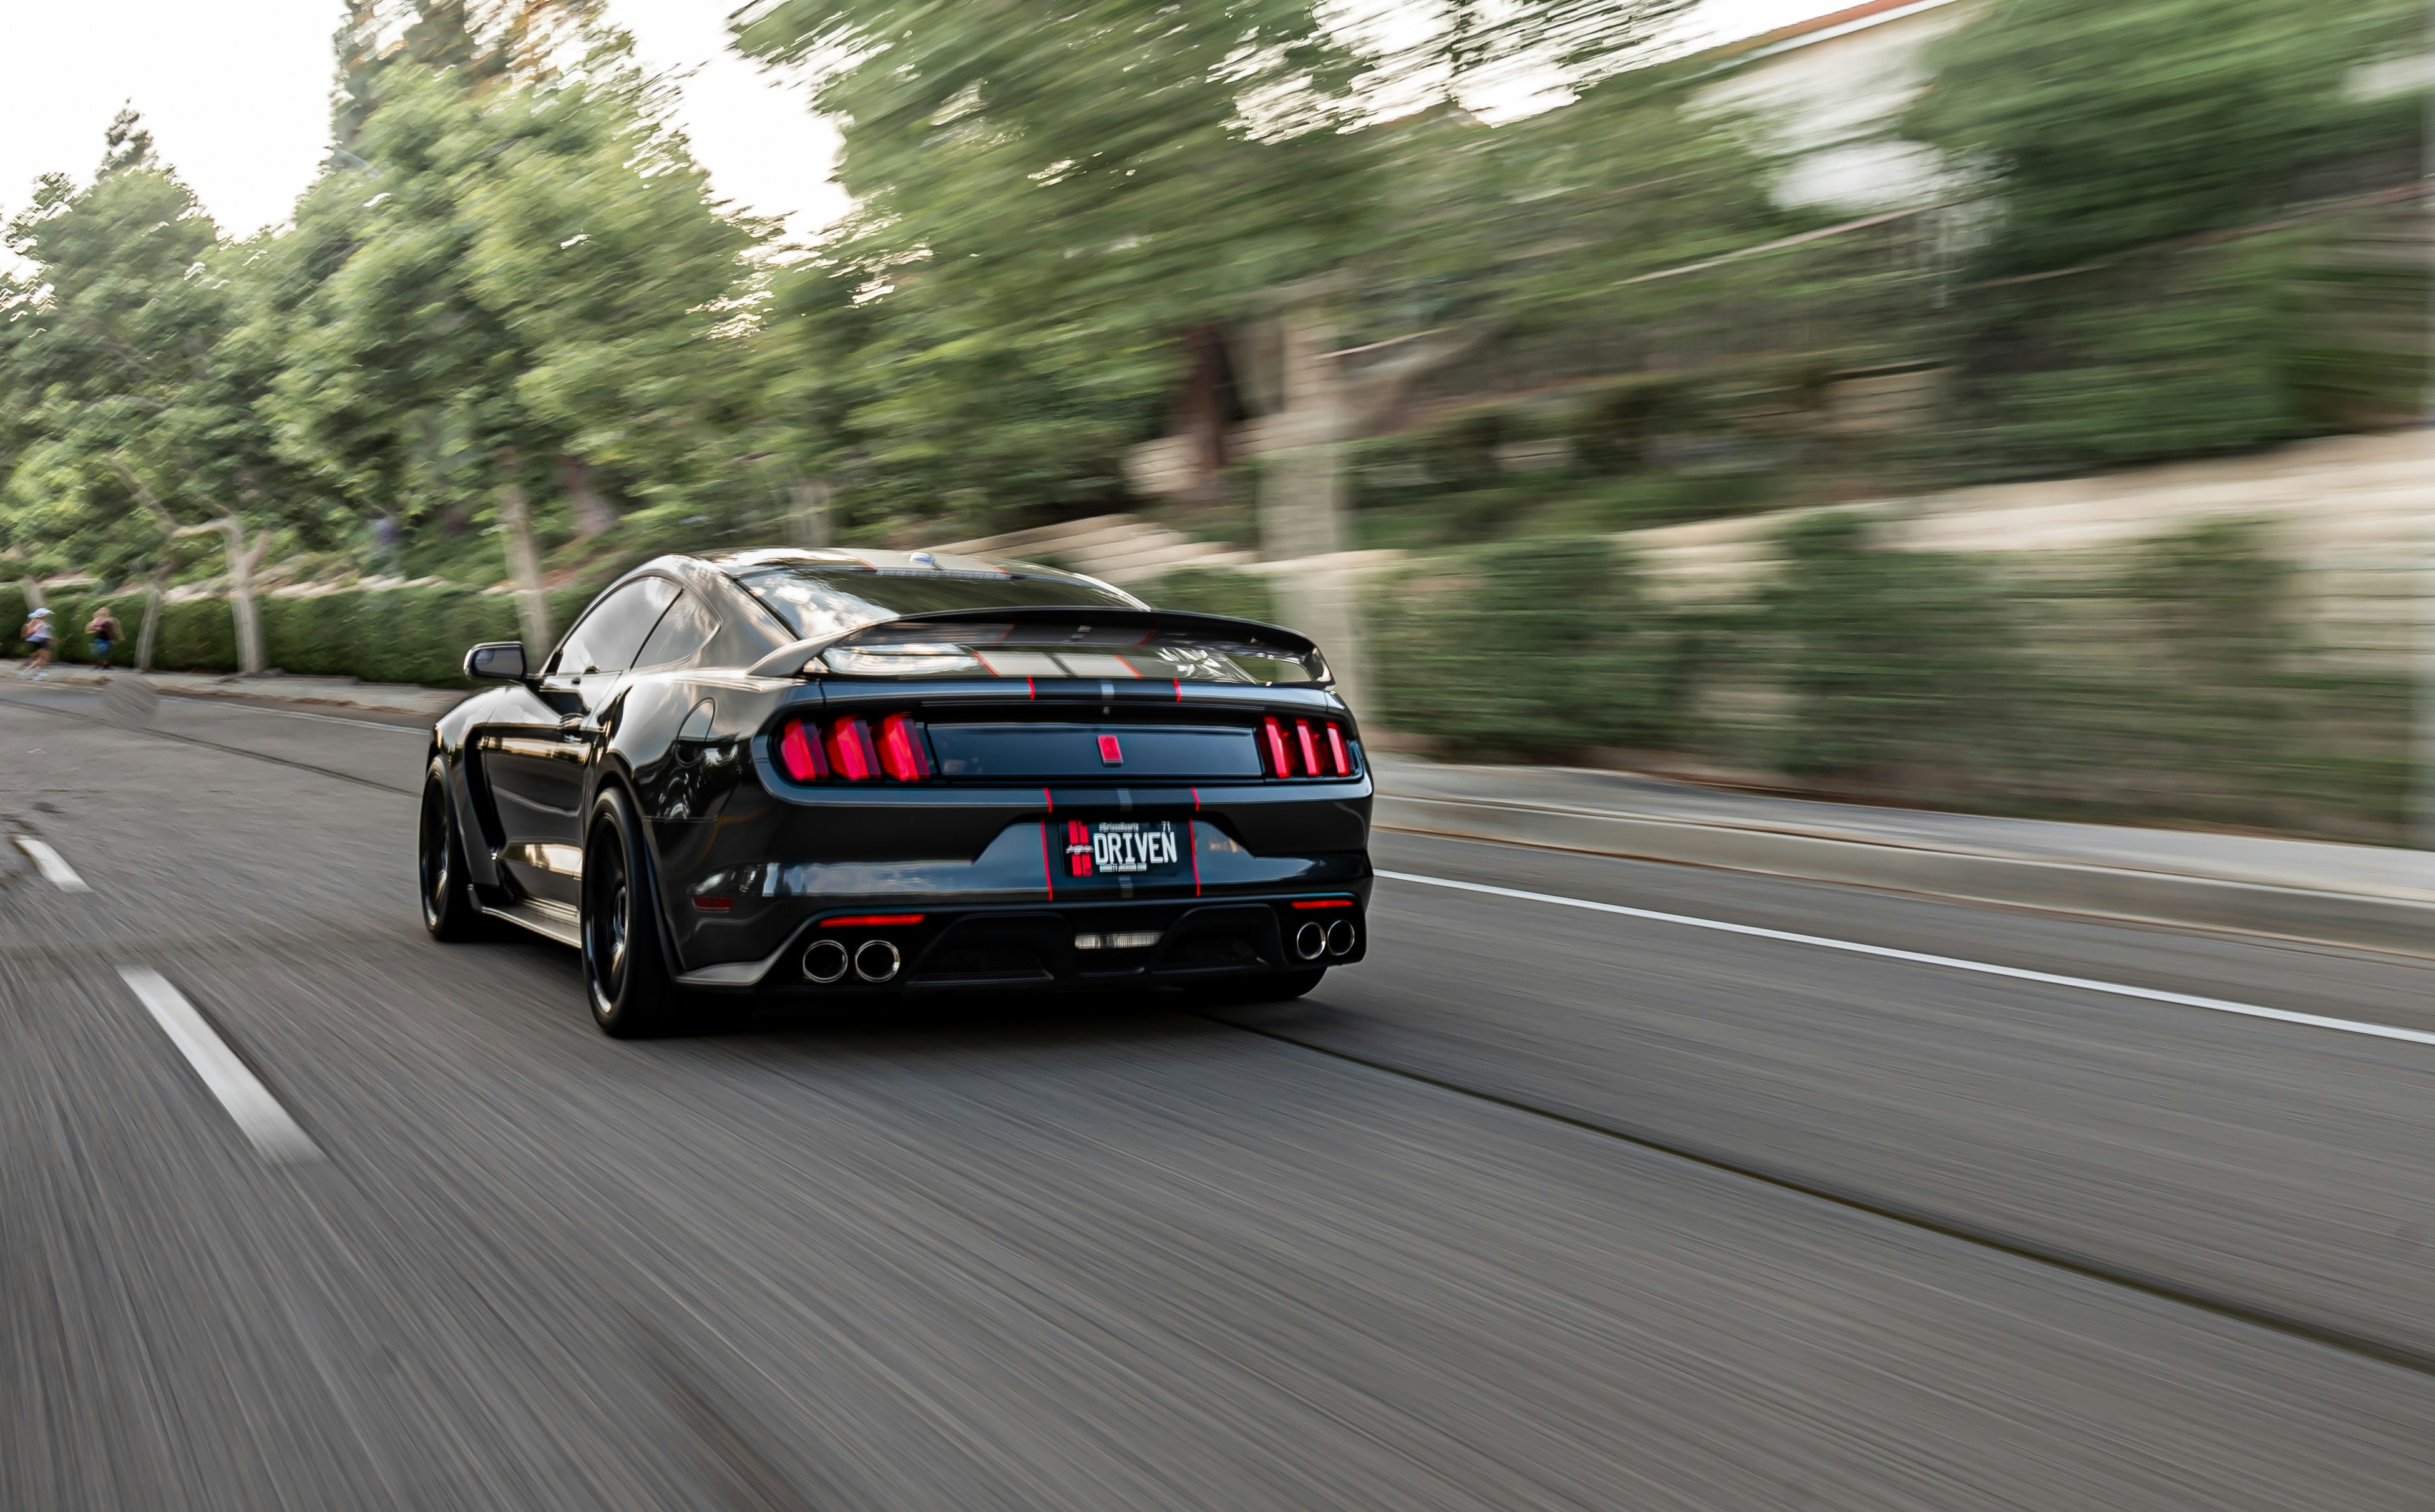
820, 602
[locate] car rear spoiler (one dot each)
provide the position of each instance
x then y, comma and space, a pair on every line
1213, 629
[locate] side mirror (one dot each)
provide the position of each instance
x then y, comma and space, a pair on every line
496, 661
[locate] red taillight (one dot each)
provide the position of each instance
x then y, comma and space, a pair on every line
848, 748
799, 752
1280, 764
1304, 751
900, 751
850, 752
713, 906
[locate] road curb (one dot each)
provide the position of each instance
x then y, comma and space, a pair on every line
2378, 922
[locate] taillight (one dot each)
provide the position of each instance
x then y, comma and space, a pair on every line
1304, 751
900, 751
851, 751
1280, 764
799, 752
847, 748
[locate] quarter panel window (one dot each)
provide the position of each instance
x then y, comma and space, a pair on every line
606, 639
682, 631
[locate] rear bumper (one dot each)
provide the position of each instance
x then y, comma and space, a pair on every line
1062, 945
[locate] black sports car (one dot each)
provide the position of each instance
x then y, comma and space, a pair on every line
834, 775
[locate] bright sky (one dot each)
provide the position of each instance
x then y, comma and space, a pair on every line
237, 97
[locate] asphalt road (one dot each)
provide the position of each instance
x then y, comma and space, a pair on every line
1542, 1206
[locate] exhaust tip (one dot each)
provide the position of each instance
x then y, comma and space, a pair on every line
877, 960
1310, 941
824, 961
1340, 937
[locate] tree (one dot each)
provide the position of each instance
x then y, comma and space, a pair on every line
125, 362
1059, 194
2123, 303
520, 281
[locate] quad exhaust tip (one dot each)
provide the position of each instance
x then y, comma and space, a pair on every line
1340, 937
877, 960
1310, 941
825, 961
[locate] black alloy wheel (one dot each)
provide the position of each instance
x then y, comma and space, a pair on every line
624, 971
448, 911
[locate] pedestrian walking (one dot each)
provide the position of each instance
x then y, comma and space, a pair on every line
37, 635
102, 630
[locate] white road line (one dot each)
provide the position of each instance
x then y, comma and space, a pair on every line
2184, 1000
53, 866
248, 1101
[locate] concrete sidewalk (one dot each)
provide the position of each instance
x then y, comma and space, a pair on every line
332, 693
2346, 894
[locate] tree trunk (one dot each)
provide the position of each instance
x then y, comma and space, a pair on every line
592, 512
148, 636
242, 560
809, 511
1202, 414
524, 565
1301, 497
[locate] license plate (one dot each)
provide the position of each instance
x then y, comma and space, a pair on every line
1123, 847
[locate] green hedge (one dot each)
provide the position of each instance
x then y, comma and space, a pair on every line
411, 635
2171, 685
1212, 591
1528, 648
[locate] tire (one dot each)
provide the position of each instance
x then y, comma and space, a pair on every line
625, 971
448, 911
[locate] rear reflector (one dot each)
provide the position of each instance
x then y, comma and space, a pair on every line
872, 921
713, 906
1322, 902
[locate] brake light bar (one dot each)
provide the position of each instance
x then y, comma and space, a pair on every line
1304, 751
846, 749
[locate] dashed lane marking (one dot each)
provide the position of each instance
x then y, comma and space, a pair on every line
257, 1113
2182, 1000
53, 866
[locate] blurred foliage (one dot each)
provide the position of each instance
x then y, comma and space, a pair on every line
1212, 590
2123, 304
1528, 649
1890, 660
2169, 684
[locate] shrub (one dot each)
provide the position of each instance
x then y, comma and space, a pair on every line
1212, 590
1532, 647
1891, 658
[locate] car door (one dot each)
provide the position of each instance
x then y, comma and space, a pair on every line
535, 771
